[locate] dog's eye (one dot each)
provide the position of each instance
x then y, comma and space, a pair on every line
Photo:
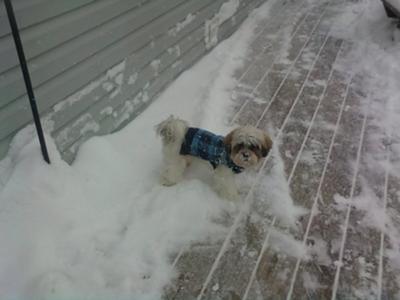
253, 148
238, 147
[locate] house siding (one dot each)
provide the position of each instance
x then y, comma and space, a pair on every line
95, 65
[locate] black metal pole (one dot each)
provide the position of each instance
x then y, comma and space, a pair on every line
27, 79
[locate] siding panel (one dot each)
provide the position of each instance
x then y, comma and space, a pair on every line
47, 35
33, 12
60, 59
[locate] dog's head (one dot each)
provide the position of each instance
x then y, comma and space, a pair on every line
248, 145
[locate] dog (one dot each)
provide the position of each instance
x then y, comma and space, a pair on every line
241, 149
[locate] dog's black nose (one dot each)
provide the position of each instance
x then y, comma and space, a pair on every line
246, 155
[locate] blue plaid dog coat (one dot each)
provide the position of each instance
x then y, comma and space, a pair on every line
208, 146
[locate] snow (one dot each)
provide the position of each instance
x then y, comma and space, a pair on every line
103, 227
132, 78
155, 64
85, 123
107, 110
176, 50
284, 243
181, 25
226, 11
310, 282
114, 76
317, 249
82, 233
275, 193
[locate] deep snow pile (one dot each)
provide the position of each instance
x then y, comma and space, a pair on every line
104, 228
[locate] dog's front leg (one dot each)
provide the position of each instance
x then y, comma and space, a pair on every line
224, 183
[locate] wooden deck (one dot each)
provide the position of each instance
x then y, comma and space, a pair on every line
297, 82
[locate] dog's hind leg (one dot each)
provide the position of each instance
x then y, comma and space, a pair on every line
174, 166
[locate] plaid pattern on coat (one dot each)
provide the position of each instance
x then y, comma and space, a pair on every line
208, 146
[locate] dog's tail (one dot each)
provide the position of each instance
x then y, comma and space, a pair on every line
172, 130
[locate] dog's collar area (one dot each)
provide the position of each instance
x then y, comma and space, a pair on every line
235, 168
229, 162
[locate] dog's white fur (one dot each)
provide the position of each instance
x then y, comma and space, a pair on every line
172, 132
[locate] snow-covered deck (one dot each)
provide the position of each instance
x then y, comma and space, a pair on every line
319, 220
317, 77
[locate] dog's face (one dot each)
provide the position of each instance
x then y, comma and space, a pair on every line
248, 145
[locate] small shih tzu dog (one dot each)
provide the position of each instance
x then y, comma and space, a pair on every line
241, 149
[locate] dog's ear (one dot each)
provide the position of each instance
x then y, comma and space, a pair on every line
228, 138
266, 145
